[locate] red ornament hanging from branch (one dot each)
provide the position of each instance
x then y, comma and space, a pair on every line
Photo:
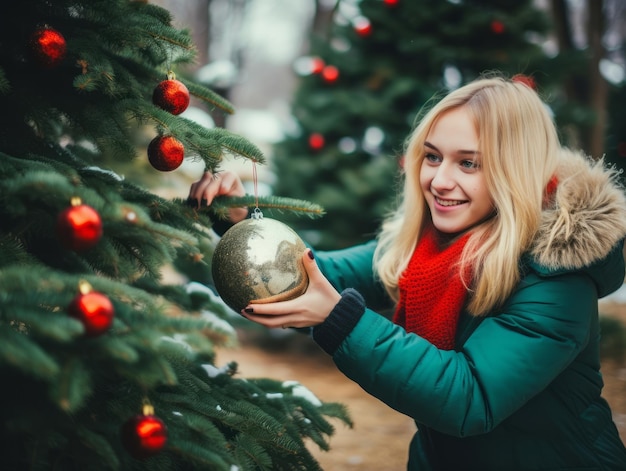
308, 65
79, 227
144, 435
317, 65
526, 80
330, 74
166, 153
93, 309
391, 3
48, 47
316, 141
497, 27
171, 95
362, 26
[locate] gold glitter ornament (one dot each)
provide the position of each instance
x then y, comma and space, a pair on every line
259, 260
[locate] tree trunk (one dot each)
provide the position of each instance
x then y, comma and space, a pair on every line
598, 87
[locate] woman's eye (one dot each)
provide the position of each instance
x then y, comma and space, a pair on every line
469, 164
432, 157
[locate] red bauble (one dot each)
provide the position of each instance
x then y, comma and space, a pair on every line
48, 46
166, 153
79, 227
317, 65
330, 74
526, 80
497, 27
171, 95
316, 141
93, 309
144, 435
362, 26
391, 3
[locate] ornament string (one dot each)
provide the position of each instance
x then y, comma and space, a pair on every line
256, 214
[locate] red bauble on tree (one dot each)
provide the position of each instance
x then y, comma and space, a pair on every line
79, 227
93, 309
391, 3
48, 47
526, 80
166, 153
330, 74
317, 65
316, 141
144, 435
172, 95
497, 27
362, 26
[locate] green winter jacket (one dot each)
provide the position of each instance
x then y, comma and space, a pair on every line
521, 390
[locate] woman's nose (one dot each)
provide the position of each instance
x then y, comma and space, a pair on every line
443, 178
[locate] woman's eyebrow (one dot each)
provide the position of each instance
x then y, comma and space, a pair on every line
460, 151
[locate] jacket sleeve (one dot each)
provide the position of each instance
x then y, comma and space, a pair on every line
506, 361
353, 268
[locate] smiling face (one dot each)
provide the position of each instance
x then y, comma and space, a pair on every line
451, 176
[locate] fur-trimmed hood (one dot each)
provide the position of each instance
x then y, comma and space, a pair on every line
588, 217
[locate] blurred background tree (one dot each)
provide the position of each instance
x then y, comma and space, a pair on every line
588, 40
372, 65
107, 352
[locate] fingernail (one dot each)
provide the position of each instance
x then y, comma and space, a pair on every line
311, 255
248, 310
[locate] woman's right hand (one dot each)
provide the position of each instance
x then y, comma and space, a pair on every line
307, 310
211, 185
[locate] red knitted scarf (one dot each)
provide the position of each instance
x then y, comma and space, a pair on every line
432, 293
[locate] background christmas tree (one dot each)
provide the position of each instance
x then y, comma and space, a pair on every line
104, 364
368, 73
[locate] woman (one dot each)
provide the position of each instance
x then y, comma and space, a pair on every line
494, 261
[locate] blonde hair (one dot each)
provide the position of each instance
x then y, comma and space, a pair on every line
519, 150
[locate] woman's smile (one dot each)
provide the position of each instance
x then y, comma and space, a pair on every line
448, 203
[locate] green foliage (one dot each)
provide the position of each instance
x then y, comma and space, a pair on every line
66, 395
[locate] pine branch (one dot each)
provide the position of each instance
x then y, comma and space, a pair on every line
208, 96
5, 85
273, 204
20, 352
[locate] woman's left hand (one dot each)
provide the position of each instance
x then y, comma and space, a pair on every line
307, 310
219, 184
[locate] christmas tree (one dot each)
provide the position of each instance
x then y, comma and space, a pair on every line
362, 84
104, 364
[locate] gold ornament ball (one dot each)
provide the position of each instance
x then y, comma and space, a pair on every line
259, 260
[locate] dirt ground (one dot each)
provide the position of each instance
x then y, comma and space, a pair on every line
380, 437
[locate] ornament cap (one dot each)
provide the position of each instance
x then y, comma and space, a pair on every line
256, 214
84, 287
147, 409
